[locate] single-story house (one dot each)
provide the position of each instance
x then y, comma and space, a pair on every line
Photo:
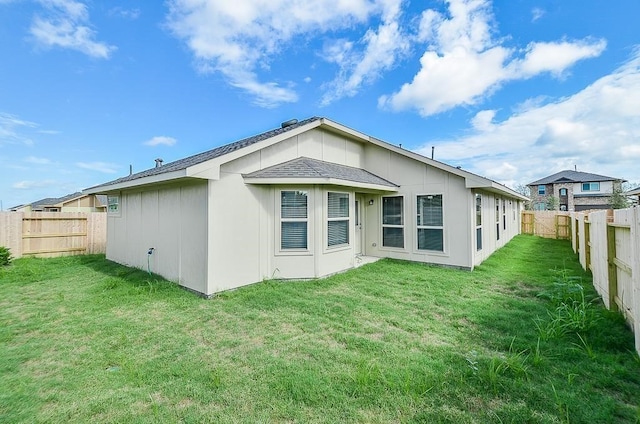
305, 200
75, 202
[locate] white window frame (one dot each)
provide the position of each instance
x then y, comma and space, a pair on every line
542, 190
590, 187
497, 218
504, 214
338, 219
429, 227
401, 226
113, 205
280, 220
478, 221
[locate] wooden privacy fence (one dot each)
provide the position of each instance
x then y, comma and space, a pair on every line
608, 244
548, 224
50, 234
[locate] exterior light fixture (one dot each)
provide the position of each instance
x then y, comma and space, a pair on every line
371, 202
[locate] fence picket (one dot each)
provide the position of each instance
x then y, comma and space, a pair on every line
48, 234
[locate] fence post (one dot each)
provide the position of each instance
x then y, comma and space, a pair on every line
613, 271
587, 243
635, 273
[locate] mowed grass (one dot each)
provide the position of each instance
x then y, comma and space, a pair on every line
86, 340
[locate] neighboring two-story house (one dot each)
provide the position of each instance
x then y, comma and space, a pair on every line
573, 191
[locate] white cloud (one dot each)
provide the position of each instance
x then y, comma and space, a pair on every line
483, 120
11, 130
537, 13
160, 140
107, 168
66, 24
38, 161
239, 38
554, 57
121, 12
29, 185
597, 129
463, 63
382, 48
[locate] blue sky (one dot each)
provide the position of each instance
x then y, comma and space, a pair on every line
513, 90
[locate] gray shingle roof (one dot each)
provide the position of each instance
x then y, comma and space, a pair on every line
50, 201
304, 167
572, 177
181, 164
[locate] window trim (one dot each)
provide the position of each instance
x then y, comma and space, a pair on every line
497, 218
402, 226
430, 227
279, 220
589, 187
479, 241
338, 219
504, 214
542, 190
117, 211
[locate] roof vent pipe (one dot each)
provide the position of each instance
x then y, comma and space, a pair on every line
158, 163
288, 123
433, 148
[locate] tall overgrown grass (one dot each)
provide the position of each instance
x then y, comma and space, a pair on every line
521, 339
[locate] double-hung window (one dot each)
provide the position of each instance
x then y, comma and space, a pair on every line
113, 205
478, 221
337, 219
542, 190
393, 221
504, 214
429, 223
293, 220
497, 218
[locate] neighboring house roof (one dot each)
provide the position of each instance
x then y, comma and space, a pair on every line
195, 166
55, 201
633, 192
569, 176
316, 171
102, 199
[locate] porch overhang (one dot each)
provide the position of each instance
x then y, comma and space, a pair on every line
321, 181
307, 171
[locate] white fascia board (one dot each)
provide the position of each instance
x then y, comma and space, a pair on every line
211, 169
471, 180
496, 188
320, 181
345, 130
168, 176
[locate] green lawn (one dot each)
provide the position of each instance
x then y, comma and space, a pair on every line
86, 340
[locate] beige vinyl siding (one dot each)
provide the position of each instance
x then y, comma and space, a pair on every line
172, 220
417, 178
